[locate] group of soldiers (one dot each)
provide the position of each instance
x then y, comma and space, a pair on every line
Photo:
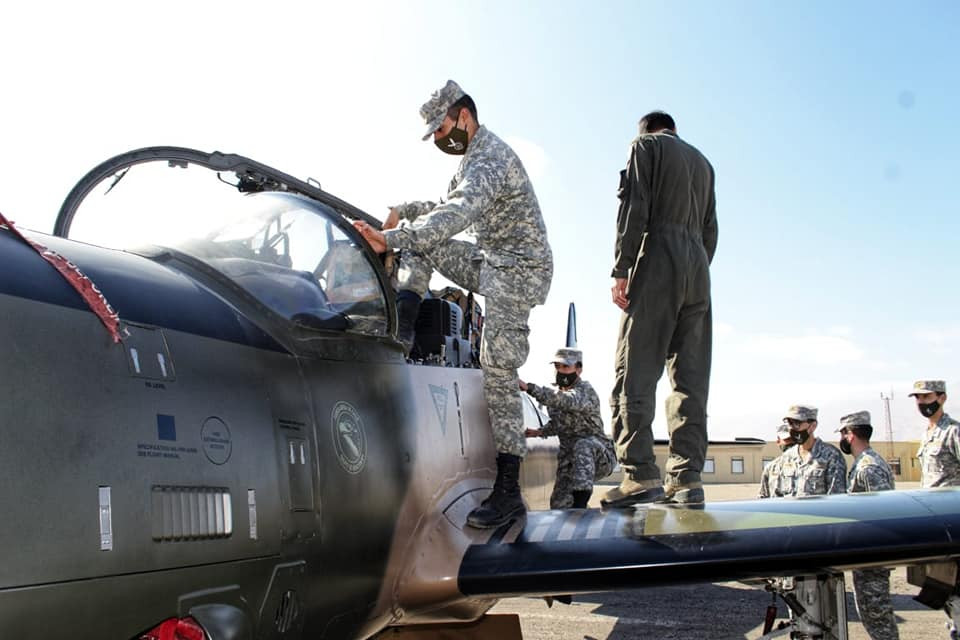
666, 235
810, 466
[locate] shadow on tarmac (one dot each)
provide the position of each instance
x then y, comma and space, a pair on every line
726, 610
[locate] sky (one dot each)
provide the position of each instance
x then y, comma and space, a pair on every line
831, 127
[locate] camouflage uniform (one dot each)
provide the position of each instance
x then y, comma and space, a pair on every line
666, 238
511, 264
940, 454
825, 472
770, 476
871, 587
770, 479
586, 453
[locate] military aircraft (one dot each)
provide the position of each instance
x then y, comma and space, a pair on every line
209, 431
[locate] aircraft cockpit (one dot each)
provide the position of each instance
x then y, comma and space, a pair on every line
296, 256
293, 258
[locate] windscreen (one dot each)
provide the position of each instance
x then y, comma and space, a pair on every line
287, 251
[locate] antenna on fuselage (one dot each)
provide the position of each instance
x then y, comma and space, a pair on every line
572, 327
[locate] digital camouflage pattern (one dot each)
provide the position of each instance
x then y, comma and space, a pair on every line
871, 590
567, 356
870, 472
666, 237
858, 419
510, 264
871, 587
825, 472
940, 454
770, 479
801, 412
586, 454
928, 386
435, 109
491, 194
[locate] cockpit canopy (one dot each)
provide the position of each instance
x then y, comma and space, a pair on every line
296, 256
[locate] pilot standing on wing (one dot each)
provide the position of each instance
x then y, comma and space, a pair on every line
770, 478
666, 238
511, 265
870, 472
813, 467
586, 453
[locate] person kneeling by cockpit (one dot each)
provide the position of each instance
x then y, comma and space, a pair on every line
586, 453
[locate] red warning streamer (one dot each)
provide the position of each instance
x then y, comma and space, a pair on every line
72, 274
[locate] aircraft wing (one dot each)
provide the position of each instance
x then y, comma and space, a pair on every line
574, 551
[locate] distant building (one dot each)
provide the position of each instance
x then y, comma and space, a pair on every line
741, 460
737, 461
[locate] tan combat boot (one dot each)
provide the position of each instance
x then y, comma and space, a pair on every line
632, 492
682, 493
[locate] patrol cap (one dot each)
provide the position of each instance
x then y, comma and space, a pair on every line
567, 356
858, 419
801, 412
783, 431
435, 109
928, 386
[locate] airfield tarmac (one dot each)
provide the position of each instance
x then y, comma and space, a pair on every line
720, 611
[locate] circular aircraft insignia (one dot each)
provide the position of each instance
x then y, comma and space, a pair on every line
349, 441
215, 438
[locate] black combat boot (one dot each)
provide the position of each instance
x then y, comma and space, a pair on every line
581, 498
504, 503
408, 307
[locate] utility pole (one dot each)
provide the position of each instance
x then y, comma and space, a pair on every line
887, 422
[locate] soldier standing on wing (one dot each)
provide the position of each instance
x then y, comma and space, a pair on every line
510, 264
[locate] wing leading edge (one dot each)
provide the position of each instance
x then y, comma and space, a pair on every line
590, 550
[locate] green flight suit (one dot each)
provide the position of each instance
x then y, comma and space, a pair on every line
666, 238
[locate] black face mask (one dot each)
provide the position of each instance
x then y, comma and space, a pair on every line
845, 447
799, 436
566, 380
929, 409
454, 143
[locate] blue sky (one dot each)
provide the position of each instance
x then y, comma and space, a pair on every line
830, 126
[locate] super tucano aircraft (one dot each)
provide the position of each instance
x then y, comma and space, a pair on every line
209, 431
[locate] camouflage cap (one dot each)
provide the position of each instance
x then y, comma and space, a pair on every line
801, 412
783, 431
567, 356
928, 386
435, 109
858, 419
